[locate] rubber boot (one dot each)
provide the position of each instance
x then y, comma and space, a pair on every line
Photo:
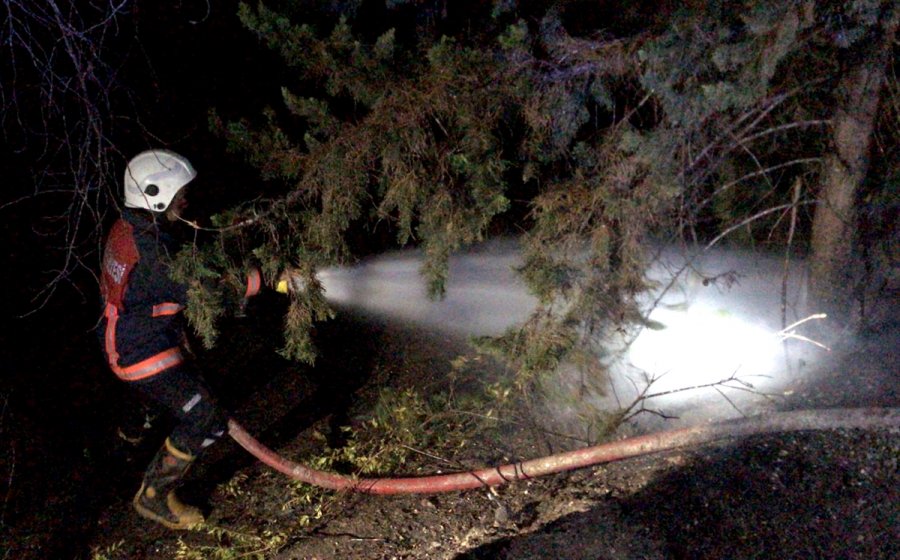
156, 500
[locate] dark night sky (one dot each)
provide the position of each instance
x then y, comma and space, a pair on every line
59, 404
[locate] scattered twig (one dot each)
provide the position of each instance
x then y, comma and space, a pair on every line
429, 455
813, 317
734, 381
351, 536
788, 332
729, 401
809, 340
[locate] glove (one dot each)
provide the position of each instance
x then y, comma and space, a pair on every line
282, 287
290, 281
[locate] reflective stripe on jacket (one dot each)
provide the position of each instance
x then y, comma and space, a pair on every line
143, 369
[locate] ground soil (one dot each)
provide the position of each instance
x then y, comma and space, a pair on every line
802, 495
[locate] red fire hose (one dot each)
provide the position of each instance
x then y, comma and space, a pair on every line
867, 418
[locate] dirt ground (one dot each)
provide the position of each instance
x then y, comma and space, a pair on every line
802, 495
812, 495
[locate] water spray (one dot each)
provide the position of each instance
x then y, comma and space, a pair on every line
714, 316
702, 330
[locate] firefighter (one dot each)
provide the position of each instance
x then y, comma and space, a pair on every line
143, 328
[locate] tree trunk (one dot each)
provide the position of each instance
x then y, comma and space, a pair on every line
834, 223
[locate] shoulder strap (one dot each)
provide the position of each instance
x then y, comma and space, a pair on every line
119, 258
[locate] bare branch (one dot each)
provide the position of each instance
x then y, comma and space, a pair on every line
784, 127
62, 56
731, 402
751, 219
788, 331
798, 161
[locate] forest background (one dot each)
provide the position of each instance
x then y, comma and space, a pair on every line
325, 131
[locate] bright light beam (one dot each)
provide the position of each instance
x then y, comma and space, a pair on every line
704, 344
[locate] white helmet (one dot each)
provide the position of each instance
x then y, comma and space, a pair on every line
154, 177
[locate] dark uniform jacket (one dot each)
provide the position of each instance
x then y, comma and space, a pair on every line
143, 322
143, 325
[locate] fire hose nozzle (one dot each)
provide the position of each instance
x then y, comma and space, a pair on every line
291, 282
